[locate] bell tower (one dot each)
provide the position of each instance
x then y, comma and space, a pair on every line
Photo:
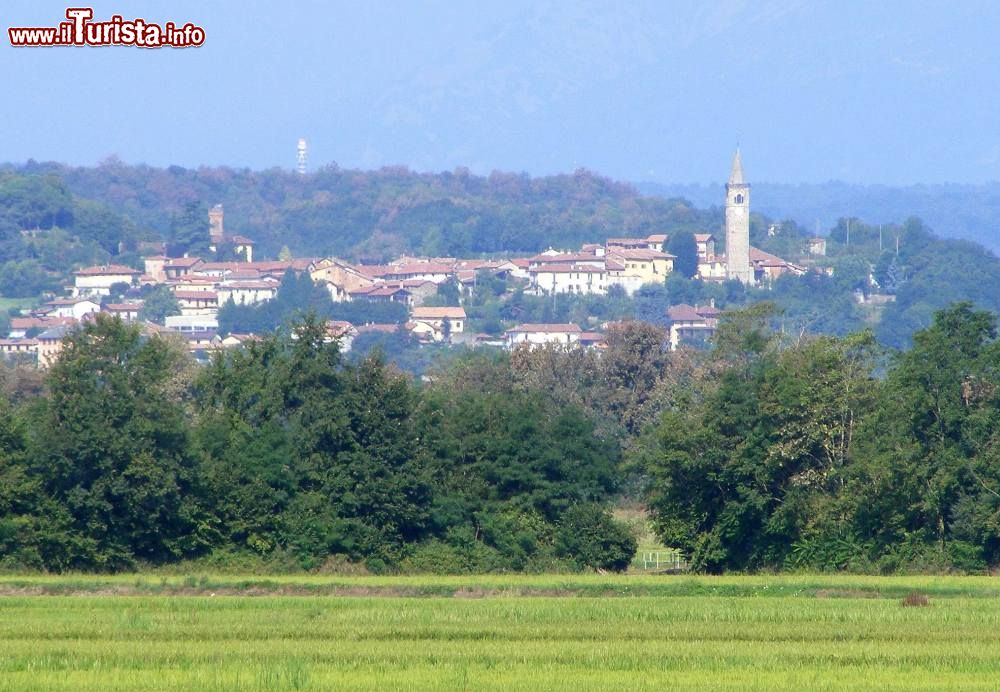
738, 224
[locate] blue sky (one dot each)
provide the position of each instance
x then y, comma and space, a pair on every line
893, 92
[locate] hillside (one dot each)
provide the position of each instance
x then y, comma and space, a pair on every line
969, 212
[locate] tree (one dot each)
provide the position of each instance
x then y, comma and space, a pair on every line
115, 451
683, 245
590, 537
159, 303
189, 231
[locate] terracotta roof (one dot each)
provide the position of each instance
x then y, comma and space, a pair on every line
628, 241
181, 262
379, 291
703, 237
592, 337
420, 268
684, 313
18, 323
122, 307
640, 254
196, 295
230, 285
438, 313
240, 240
107, 269
567, 268
18, 342
657, 238
548, 328
379, 328
563, 258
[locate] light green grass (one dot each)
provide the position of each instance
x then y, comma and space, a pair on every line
19, 303
788, 632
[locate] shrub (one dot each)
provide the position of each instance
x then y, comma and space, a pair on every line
592, 538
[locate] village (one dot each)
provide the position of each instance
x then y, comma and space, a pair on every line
201, 286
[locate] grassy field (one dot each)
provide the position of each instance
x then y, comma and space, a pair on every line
547, 632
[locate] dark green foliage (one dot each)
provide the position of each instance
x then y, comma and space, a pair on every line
132, 494
589, 536
682, 244
158, 304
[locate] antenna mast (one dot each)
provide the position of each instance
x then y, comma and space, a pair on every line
301, 156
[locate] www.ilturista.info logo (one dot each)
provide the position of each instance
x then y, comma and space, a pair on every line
81, 31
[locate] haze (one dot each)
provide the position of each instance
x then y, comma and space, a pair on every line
892, 92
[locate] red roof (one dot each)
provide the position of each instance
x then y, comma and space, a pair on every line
181, 262
381, 328
567, 268
107, 270
195, 295
685, 313
18, 323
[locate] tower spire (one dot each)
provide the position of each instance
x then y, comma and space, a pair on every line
736, 176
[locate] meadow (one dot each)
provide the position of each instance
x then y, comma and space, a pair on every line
498, 632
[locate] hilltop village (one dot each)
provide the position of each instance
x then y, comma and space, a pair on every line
201, 286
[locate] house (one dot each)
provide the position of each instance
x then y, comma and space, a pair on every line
591, 340
20, 326
97, 281
705, 243
437, 324
233, 340
246, 292
551, 257
426, 271
71, 307
817, 246
589, 278
532, 335
767, 267
690, 324
180, 266
153, 266
339, 277
342, 332
379, 293
17, 349
128, 312
650, 266
192, 323
50, 344
197, 302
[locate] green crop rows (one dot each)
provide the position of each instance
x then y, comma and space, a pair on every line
548, 632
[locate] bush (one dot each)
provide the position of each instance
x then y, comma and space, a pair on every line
592, 538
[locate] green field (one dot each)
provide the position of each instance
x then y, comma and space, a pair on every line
548, 632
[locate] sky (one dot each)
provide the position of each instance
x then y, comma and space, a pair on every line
892, 92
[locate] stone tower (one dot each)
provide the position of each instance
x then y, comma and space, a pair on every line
738, 225
215, 231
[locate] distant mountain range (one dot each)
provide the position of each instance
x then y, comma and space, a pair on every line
971, 212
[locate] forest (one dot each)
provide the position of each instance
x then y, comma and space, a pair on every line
767, 451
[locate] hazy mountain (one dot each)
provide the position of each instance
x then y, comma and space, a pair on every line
955, 211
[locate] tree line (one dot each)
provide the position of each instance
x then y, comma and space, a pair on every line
128, 454
771, 450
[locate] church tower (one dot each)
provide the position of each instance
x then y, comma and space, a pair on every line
738, 225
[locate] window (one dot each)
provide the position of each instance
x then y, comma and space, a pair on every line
739, 199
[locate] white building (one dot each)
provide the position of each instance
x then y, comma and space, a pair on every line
97, 281
566, 335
